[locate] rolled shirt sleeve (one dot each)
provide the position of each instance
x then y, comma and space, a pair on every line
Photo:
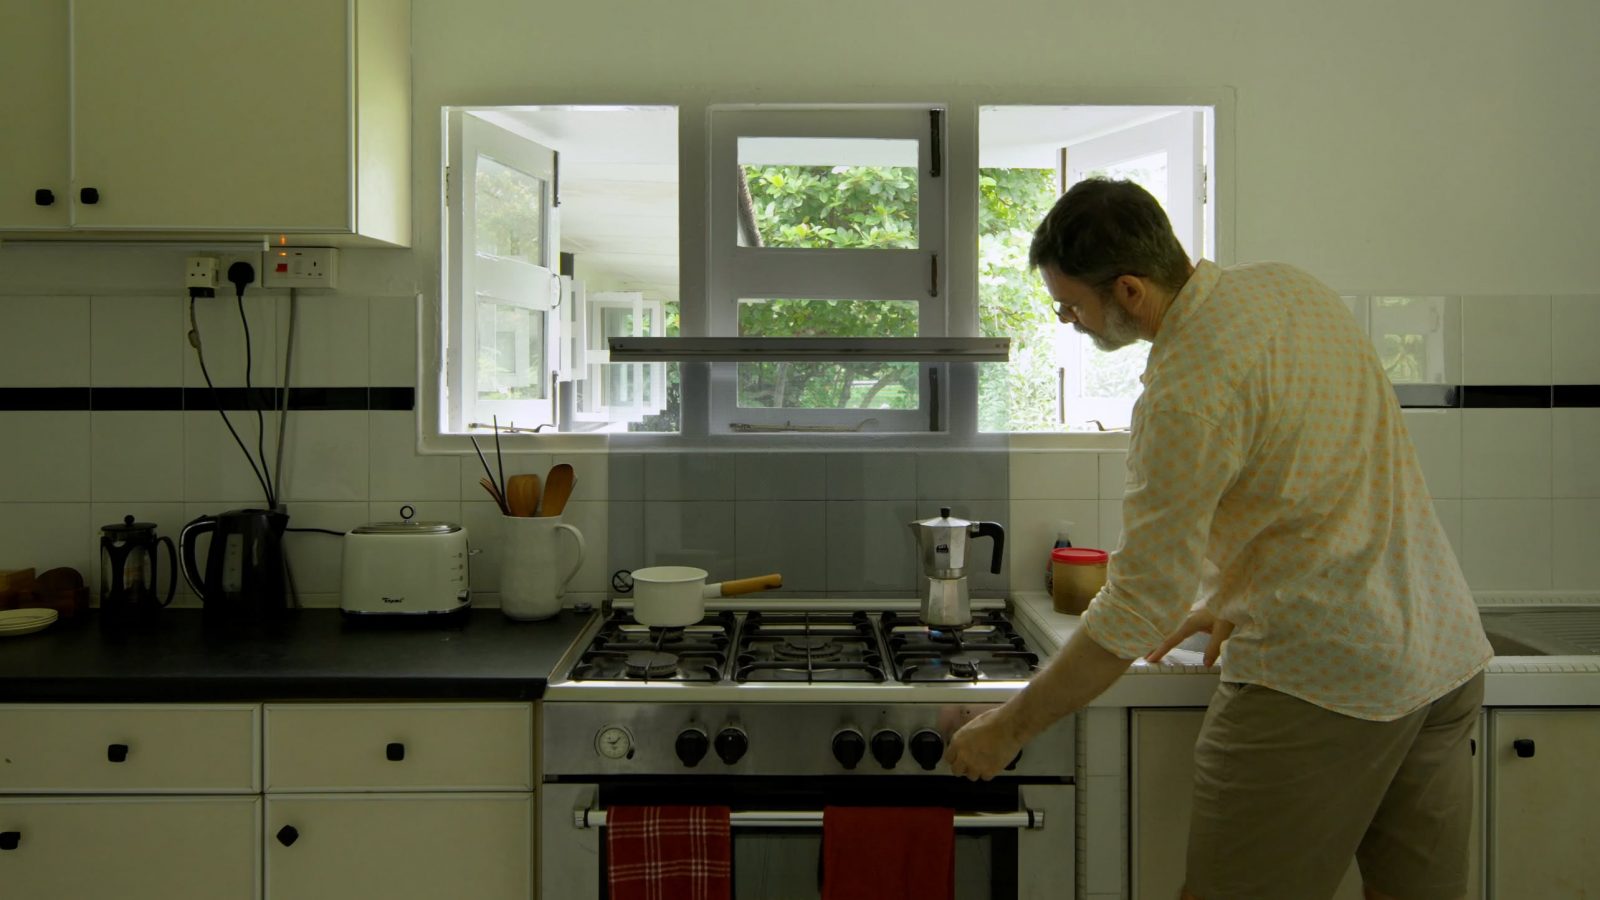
1179, 467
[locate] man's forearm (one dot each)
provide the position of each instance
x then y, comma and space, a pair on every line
1079, 673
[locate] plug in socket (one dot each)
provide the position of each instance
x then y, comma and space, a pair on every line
200, 272
301, 267
226, 261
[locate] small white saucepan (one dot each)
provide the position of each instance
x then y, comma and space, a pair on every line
675, 596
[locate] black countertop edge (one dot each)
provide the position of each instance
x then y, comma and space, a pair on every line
311, 654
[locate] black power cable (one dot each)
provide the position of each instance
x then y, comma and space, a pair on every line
194, 341
241, 274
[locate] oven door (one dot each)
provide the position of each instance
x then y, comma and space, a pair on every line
1014, 840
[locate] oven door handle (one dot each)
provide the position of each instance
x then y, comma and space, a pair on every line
1022, 818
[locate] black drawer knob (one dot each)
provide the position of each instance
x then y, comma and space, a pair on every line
395, 752
117, 753
89, 196
10, 839
1524, 747
288, 834
44, 197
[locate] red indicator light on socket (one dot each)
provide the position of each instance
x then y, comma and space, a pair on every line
283, 267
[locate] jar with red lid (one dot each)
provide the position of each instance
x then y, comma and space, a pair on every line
1076, 575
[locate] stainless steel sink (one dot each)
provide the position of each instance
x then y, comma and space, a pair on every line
1543, 631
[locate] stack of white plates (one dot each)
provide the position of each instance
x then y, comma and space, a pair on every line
24, 621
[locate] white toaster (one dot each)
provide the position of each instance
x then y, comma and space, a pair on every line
405, 568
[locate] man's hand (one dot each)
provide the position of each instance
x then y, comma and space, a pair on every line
984, 746
1199, 620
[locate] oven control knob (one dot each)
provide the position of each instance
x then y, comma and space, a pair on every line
848, 747
887, 748
691, 746
927, 748
731, 743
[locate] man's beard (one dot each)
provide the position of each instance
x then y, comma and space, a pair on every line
1119, 330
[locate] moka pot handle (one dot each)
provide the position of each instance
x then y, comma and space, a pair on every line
992, 530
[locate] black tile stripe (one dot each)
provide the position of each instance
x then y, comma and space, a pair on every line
1577, 395
139, 399
1428, 396
1506, 396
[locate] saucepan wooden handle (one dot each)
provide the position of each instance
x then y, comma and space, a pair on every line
752, 585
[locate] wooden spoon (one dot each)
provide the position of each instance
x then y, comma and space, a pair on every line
558, 486
522, 495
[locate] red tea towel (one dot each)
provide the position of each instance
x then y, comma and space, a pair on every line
887, 853
668, 852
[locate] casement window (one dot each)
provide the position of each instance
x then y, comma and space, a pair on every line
818, 226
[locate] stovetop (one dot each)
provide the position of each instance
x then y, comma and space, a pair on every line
800, 647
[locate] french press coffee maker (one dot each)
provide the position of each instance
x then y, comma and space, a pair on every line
128, 569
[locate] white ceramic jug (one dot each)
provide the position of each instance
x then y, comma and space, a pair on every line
536, 565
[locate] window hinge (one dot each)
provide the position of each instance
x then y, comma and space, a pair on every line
555, 179
1205, 185
933, 283
936, 139
447, 187
934, 424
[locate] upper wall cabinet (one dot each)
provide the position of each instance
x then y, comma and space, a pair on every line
197, 117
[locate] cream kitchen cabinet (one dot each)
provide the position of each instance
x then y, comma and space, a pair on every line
184, 117
399, 800
1544, 791
135, 801
1161, 784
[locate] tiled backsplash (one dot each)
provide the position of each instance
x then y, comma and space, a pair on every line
102, 415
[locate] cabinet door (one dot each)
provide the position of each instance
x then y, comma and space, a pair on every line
198, 115
143, 849
1162, 786
400, 846
34, 107
1543, 841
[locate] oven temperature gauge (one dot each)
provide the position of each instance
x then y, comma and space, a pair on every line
614, 742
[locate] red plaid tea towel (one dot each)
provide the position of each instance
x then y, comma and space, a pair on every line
668, 852
888, 853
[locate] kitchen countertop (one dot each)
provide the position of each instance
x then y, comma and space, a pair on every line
312, 653
1181, 680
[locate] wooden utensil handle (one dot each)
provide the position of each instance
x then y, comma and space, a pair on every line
752, 585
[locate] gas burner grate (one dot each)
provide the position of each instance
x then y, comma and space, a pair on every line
808, 647
989, 649
624, 650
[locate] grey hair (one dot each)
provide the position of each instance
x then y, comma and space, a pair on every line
1104, 228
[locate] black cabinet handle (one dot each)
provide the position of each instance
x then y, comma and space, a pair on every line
395, 752
117, 753
89, 196
1472, 745
10, 839
44, 197
288, 834
1524, 747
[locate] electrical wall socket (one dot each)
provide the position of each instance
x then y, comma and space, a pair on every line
226, 260
200, 272
301, 267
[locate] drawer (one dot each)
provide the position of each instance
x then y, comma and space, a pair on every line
399, 746
130, 748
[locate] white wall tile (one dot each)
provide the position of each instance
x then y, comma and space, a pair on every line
700, 534
872, 476
138, 341
592, 519
222, 339
950, 479
1359, 309
1113, 475
482, 521
393, 349
1576, 464
169, 520
44, 341
789, 537
398, 471
137, 456
1436, 320
316, 559
1575, 329
780, 476
1449, 512
45, 456
1060, 475
1576, 551
325, 456
869, 546
1506, 340
1110, 525
1506, 544
331, 340
1031, 534
421, 511
1506, 453
43, 536
214, 468
1436, 433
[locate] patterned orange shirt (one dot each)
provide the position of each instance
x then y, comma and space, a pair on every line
1271, 478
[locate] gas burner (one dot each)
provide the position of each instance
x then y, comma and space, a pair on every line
651, 664
963, 665
988, 649
803, 647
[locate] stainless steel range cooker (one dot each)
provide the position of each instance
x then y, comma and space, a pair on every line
779, 709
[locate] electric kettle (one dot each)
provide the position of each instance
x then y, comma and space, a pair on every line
129, 576
243, 577
942, 551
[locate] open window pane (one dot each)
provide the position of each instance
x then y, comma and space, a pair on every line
829, 192
511, 351
806, 385
510, 220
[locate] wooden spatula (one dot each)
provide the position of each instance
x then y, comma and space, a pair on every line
558, 486
522, 495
